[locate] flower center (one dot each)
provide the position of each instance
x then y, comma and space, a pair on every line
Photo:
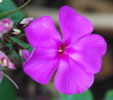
3, 62
61, 49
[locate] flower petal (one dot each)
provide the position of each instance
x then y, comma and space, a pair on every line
73, 25
7, 23
89, 52
25, 54
4, 60
71, 78
41, 65
2, 29
42, 31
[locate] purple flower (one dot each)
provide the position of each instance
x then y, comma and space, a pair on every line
5, 25
25, 54
5, 62
75, 56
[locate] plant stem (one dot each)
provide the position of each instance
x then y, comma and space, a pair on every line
12, 11
10, 80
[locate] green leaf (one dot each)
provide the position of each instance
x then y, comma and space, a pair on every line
24, 45
7, 90
8, 5
82, 96
109, 95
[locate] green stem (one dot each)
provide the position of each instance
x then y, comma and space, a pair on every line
10, 80
12, 11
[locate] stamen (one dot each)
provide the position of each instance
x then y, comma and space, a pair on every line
61, 50
5, 62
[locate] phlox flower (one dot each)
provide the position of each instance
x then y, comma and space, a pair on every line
5, 25
74, 57
5, 62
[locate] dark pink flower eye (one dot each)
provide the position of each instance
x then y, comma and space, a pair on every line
61, 49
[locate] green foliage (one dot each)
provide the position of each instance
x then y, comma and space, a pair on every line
109, 95
7, 6
7, 90
82, 96
22, 44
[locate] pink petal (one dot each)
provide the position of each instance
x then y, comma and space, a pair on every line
72, 78
42, 31
41, 65
7, 23
89, 52
26, 21
3, 29
73, 25
8, 63
25, 54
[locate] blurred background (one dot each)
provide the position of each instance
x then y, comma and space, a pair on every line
100, 13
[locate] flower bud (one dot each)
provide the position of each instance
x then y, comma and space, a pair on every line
24, 22
15, 31
1, 1
25, 54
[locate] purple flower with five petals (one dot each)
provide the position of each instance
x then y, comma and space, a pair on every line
75, 56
